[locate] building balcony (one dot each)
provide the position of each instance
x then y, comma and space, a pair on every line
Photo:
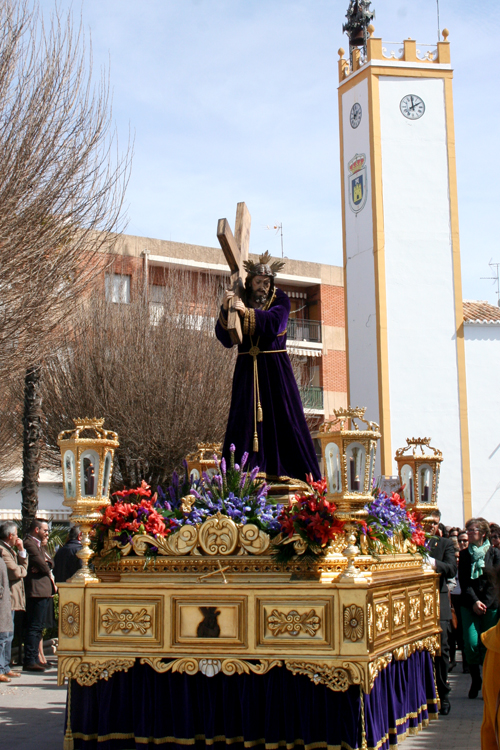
304, 330
312, 397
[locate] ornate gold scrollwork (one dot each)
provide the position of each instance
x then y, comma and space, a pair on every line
218, 535
381, 618
336, 676
369, 619
70, 619
210, 667
253, 540
414, 608
376, 666
428, 605
293, 623
398, 613
430, 644
354, 626
126, 621
87, 673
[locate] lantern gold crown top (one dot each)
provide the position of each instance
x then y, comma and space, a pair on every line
88, 423
349, 415
414, 444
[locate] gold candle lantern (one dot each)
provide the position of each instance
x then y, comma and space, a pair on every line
202, 460
418, 467
348, 462
87, 462
348, 457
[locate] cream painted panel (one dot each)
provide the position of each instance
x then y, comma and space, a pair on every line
423, 372
482, 361
360, 273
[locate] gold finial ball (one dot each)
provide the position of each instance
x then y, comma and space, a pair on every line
371, 29
341, 52
445, 34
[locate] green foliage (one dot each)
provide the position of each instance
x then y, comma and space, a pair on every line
58, 534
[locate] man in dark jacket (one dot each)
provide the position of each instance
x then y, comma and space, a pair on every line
40, 587
66, 563
443, 560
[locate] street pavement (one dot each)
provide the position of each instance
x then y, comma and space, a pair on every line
32, 716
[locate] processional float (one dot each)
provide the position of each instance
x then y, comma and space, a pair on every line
213, 641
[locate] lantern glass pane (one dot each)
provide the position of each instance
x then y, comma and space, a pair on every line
333, 468
438, 467
356, 457
69, 474
373, 448
107, 474
408, 480
89, 473
425, 483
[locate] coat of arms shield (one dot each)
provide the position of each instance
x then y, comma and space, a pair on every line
357, 183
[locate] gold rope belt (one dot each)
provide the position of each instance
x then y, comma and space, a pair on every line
254, 352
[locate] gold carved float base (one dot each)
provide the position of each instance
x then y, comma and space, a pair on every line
301, 617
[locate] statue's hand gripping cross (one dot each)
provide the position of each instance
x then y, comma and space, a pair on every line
235, 249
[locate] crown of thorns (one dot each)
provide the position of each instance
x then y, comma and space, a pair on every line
263, 267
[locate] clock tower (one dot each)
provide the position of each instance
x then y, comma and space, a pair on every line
404, 316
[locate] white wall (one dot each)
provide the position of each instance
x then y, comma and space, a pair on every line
482, 359
360, 272
423, 377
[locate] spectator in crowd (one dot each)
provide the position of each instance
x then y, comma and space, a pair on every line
491, 679
479, 602
495, 535
463, 540
442, 558
49, 624
453, 532
456, 635
5, 622
66, 563
40, 588
442, 531
16, 560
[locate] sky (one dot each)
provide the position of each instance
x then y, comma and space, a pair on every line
236, 100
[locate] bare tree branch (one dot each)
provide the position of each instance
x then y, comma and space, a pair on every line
155, 372
61, 184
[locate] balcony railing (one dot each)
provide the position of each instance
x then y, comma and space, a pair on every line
304, 330
312, 397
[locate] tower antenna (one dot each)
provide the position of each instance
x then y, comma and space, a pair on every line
279, 228
439, 25
496, 278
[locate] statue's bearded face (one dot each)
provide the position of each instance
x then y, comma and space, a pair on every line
260, 289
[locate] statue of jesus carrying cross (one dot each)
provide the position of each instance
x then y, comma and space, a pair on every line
266, 418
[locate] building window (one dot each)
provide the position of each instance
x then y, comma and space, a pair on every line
118, 288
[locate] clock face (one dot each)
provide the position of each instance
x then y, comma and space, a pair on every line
412, 107
355, 116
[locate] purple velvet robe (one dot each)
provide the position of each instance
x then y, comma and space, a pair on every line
285, 445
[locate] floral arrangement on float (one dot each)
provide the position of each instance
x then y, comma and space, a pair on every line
167, 522
230, 507
308, 526
391, 527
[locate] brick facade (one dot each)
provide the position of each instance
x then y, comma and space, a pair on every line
320, 302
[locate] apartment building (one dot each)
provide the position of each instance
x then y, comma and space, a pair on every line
316, 328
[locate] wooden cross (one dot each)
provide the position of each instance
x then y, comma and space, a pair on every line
235, 249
